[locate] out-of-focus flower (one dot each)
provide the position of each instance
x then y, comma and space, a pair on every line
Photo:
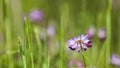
50, 30
75, 63
91, 31
102, 34
36, 16
115, 60
82, 42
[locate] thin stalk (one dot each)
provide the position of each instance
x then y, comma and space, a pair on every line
37, 36
100, 57
28, 33
22, 52
24, 61
64, 19
48, 62
84, 60
45, 51
108, 25
8, 30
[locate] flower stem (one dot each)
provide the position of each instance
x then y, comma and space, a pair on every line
108, 26
22, 52
24, 61
36, 31
8, 30
64, 19
83, 56
28, 33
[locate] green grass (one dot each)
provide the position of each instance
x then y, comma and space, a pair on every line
70, 18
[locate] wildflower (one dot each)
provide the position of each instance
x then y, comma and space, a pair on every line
115, 60
36, 16
81, 42
50, 31
91, 31
102, 34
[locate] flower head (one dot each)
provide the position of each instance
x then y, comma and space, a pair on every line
36, 15
50, 30
91, 31
102, 34
115, 60
82, 42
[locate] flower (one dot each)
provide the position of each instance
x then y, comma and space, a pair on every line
81, 42
50, 30
102, 34
36, 15
115, 60
91, 31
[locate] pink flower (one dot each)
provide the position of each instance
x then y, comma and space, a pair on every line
91, 31
82, 42
102, 34
36, 15
115, 60
50, 31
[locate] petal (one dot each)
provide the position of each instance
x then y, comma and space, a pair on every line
84, 37
71, 41
86, 41
72, 48
89, 44
78, 49
84, 46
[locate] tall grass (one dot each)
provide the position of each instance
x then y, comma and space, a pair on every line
28, 34
108, 27
70, 21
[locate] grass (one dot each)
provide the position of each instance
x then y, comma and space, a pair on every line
70, 18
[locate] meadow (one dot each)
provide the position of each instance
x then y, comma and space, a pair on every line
59, 34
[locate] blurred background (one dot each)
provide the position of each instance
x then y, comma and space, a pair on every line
33, 33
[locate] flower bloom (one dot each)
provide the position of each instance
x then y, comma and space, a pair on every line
36, 16
91, 31
115, 60
50, 31
102, 34
82, 42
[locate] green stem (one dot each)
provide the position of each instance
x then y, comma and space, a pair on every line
22, 52
45, 51
24, 61
64, 19
36, 31
8, 28
83, 56
28, 33
108, 25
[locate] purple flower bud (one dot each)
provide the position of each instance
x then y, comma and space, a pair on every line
102, 34
50, 31
115, 60
36, 16
91, 31
81, 42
